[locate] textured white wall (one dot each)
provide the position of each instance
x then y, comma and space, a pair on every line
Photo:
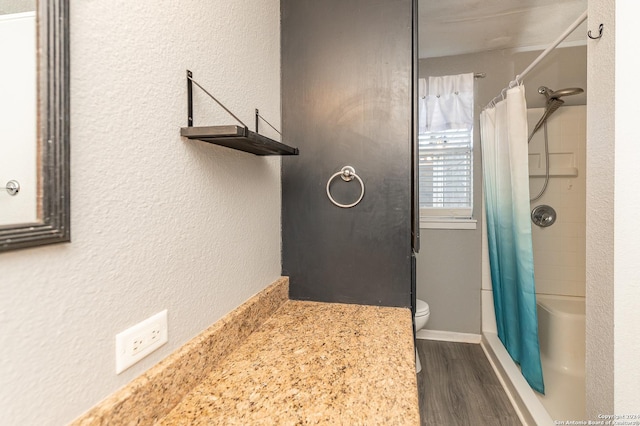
613, 292
627, 206
157, 221
600, 212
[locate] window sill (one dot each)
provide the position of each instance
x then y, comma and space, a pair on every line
448, 223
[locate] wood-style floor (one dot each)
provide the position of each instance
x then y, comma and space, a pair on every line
457, 386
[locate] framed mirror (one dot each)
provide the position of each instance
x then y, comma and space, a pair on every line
34, 124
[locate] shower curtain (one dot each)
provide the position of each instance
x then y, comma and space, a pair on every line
506, 185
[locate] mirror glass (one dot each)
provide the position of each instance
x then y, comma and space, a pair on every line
34, 123
18, 113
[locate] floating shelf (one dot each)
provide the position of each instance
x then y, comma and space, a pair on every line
232, 136
240, 138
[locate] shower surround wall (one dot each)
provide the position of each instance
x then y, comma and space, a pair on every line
559, 250
347, 100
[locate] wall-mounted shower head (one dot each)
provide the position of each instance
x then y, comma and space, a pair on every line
553, 103
557, 94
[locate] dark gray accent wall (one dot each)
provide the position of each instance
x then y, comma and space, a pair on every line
347, 100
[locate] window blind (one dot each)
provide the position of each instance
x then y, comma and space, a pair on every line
446, 171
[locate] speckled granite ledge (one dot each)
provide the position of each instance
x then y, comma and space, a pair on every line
313, 363
152, 395
273, 361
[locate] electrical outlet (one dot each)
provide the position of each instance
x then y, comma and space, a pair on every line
138, 341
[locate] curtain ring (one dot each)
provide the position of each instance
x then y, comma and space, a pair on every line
600, 29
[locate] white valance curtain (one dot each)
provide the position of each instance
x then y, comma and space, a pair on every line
445, 103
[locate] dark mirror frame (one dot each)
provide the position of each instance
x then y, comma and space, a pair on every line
53, 134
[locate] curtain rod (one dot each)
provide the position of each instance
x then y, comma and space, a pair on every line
543, 55
555, 44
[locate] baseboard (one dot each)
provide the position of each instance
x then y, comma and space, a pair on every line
448, 336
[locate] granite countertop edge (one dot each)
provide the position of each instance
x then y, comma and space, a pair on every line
275, 360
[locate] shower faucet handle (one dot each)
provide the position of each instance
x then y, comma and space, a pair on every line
543, 215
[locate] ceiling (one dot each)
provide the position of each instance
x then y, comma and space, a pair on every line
453, 27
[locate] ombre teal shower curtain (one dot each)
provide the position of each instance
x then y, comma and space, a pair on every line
506, 186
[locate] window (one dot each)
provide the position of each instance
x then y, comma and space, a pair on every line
445, 151
446, 173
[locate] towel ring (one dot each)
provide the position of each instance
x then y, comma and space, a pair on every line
347, 174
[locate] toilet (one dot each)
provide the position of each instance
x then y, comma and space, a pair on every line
420, 320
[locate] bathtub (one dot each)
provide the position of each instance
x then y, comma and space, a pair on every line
561, 329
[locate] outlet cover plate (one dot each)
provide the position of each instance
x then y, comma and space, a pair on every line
138, 341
